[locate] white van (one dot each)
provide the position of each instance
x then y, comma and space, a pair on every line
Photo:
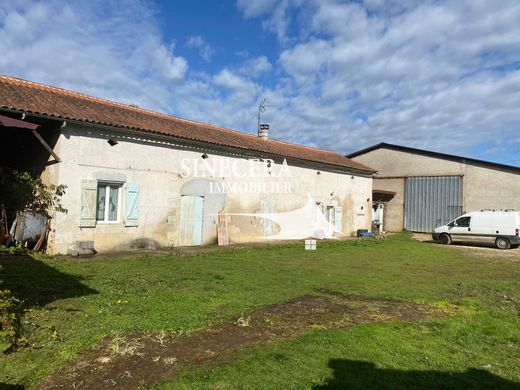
499, 227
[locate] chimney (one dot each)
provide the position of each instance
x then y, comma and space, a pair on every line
263, 131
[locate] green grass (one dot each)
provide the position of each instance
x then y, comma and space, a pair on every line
72, 305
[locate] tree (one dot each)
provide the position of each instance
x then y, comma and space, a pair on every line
19, 191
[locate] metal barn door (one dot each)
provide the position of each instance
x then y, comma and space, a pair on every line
431, 202
190, 229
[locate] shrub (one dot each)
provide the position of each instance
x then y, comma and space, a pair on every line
12, 250
8, 319
20, 191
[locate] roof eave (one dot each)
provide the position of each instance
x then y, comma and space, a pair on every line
321, 165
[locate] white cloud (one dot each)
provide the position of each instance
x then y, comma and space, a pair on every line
425, 76
437, 75
228, 80
278, 11
204, 48
171, 67
255, 67
105, 49
279, 21
254, 8
237, 91
114, 50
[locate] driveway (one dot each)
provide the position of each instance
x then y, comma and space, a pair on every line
483, 250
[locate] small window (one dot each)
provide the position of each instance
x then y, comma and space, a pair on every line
108, 200
463, 222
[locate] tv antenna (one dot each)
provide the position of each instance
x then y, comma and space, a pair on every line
261, 110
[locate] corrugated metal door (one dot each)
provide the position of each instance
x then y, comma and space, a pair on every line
431, 202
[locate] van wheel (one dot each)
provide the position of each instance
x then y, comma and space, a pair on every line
502, 243
445, 239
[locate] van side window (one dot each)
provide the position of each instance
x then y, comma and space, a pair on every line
463, 222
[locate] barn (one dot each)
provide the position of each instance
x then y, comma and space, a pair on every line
141, 179
418, 190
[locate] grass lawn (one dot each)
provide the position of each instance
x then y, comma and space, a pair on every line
72, 305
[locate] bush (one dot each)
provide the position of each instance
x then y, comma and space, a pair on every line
12, 250
20, 191
8, 319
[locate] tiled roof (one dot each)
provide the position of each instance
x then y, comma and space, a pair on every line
32, 97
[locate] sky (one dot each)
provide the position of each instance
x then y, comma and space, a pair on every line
337, 75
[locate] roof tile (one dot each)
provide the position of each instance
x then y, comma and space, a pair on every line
41, 99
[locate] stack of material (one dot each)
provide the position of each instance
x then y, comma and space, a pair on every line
222, 236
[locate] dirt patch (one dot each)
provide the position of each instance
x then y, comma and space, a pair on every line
136, 359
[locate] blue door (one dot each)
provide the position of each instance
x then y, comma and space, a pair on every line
191, 220
198, 207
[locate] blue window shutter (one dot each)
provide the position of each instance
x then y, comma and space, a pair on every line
132, 204
88, 203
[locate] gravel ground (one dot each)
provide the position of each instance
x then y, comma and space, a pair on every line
484, 250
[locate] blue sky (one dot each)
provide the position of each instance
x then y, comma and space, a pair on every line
338, 75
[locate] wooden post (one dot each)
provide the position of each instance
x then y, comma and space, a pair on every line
43, 237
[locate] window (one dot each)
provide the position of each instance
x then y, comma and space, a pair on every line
463, 222
107, 204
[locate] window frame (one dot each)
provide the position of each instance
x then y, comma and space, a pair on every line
108, 185
466, 218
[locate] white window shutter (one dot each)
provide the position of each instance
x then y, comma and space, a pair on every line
132, 204
88, 203
338, 218
267, 206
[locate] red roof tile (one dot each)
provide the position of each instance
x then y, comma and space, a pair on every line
45, 100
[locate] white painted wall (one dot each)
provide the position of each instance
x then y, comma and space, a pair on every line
156, 167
